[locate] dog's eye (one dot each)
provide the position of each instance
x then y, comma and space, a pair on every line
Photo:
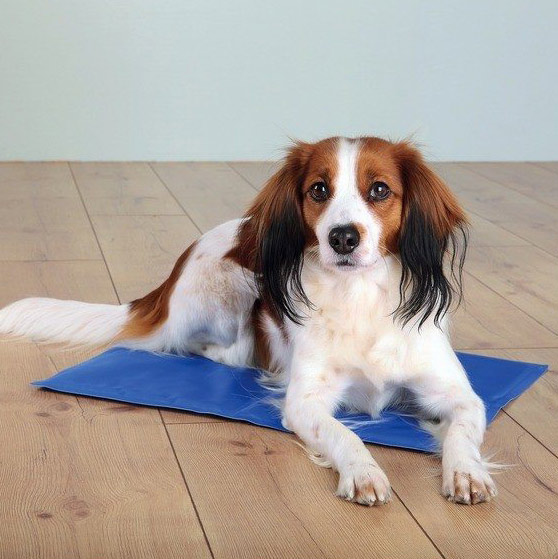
319, 191
379, 191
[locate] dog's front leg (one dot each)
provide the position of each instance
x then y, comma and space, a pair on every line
312, 397
445, 392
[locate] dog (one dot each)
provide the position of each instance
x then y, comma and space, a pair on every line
337, 282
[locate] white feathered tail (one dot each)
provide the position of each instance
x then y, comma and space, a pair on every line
72, 322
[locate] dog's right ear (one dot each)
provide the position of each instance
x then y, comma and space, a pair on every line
275, 234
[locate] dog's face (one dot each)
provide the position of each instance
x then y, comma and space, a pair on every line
351, 202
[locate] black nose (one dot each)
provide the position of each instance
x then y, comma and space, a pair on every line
344, 239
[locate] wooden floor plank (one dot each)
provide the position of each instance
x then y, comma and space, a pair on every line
549, 165
535, 182
485, 233
526, 276
521, 215
257, 173
537, 409
63, 280
83, 477
171, 417
123, 189
210, 193
486, 319
519, 523
142, 250
41, 214
91, 478
258, 495
79, 480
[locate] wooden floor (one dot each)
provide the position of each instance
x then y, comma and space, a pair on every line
94, 479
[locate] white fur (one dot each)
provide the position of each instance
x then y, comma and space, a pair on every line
72, 322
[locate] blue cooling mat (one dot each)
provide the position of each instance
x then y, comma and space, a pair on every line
199, 385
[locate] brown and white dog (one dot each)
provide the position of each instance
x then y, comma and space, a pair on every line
337, 281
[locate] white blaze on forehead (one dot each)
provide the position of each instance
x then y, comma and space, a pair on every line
347, 162
347, 205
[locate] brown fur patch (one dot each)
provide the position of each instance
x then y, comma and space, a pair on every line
243, 251
321, 167
262, 352
281, 189
424, 188
150, 312
377, 162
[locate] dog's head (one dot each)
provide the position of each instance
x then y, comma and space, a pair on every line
351, 202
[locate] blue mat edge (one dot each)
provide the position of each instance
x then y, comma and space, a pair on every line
536, 371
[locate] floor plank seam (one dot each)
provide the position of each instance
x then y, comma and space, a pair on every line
253, 186
528, 241
187, 486
422, 529
527, 431
94, 233
504, 184
171, 193
118, 298
539, 166
513, 304
142, 215
216, 422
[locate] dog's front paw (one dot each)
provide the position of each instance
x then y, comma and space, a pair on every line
468, 485
364, 483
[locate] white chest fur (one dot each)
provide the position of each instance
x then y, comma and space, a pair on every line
351, 330
351, 327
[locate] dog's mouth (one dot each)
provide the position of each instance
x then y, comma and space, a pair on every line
345, 263
349, 263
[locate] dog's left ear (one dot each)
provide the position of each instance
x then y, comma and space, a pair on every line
432, 243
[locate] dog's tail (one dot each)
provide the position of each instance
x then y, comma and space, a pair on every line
139, 324
70, 322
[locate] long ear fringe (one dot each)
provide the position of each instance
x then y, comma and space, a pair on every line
275, 230
425, 289
279, 262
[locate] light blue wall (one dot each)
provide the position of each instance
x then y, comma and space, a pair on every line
208, 79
